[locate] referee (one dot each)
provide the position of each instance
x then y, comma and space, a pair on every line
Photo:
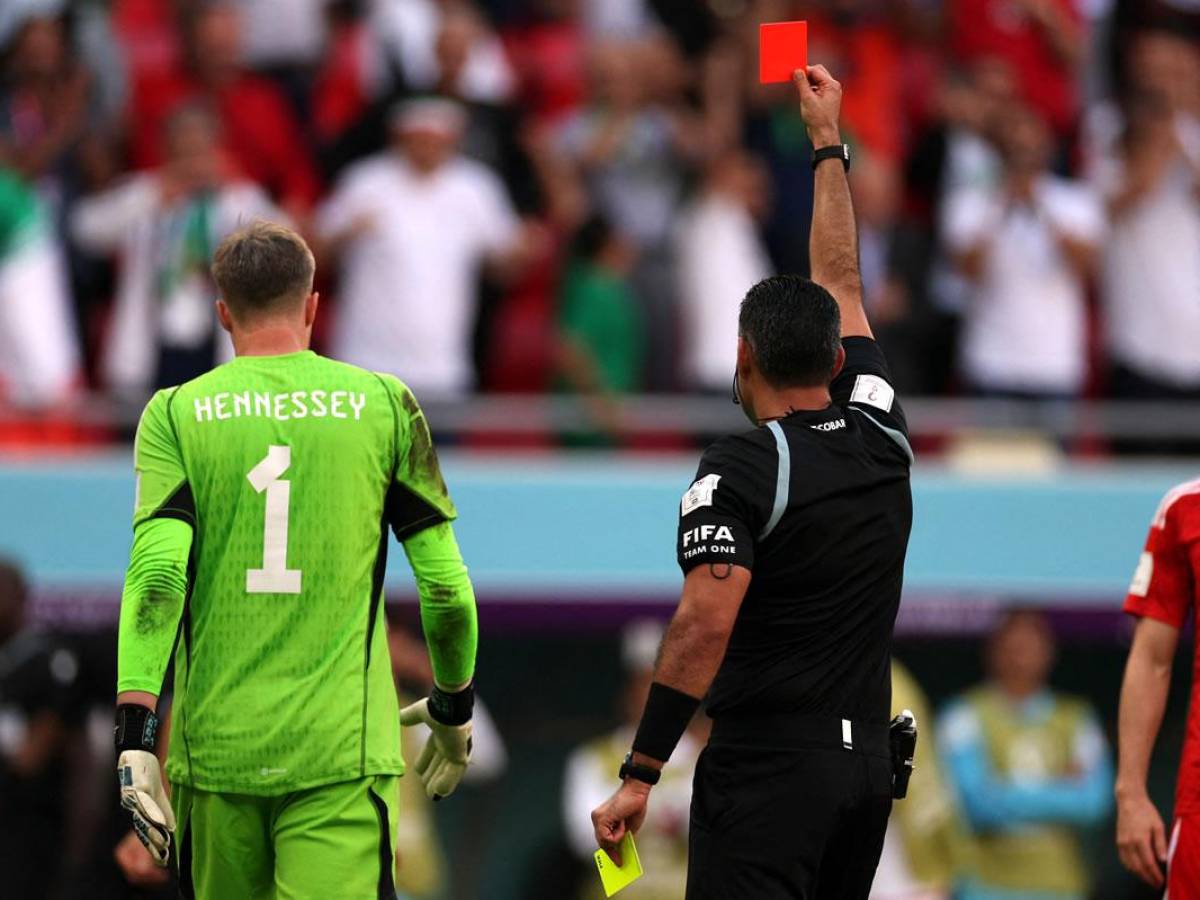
792, 541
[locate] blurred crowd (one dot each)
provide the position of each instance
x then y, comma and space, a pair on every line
573, 195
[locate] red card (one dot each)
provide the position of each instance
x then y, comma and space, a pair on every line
782, 49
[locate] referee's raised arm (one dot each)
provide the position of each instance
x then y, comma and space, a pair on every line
833, 242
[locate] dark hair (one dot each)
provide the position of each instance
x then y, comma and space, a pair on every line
262, 267
793, 327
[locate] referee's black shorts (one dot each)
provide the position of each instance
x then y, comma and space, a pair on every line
781, 810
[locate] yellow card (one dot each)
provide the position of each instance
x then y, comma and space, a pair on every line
614, 877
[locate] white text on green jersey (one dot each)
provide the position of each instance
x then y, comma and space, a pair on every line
291, 405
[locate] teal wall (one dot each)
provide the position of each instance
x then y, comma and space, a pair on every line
596, 527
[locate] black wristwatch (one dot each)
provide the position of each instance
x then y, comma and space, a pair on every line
645, 774
833, 151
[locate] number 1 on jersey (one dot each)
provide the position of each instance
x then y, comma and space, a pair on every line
274, 577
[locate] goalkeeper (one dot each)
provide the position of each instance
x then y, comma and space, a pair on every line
265, 491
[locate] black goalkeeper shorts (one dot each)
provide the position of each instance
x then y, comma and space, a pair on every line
781, 810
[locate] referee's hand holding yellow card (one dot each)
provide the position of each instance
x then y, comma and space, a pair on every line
617, 876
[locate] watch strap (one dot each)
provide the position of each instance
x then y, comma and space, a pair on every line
833, 151
645, 774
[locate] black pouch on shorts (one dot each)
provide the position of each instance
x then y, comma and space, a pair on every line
902, 738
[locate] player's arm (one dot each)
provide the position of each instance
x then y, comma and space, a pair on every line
449, 621
419, 510
451, 633
1141, 836
152, 604
1161, 597
151, 608
448, 613
833, 243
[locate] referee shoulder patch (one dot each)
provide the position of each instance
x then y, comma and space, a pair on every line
699, 494
873, 391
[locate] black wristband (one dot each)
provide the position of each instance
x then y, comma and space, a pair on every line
667, 715
833, 151
645, 774
137, 728
452, 709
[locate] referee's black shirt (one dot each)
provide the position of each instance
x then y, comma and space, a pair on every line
817, 504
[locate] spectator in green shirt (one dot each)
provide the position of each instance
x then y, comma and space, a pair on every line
601, 329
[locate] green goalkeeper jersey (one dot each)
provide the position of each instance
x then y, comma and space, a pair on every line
287, 472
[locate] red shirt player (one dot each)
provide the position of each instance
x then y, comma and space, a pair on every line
1163, 594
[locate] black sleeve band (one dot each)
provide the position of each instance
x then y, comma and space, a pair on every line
452, 709
667, 715
180, 505
137, 728
407, 512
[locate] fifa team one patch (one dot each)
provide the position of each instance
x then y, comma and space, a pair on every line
699, 494
873, 391
1140, 586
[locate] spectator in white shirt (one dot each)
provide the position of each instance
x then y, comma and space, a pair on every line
412, 227
1150, 277
163, 226
971, 102
720, 254
1027, 246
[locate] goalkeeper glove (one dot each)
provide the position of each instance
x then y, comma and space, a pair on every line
140, 780
447, 753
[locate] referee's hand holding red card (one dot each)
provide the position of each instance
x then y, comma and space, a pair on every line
820, 104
